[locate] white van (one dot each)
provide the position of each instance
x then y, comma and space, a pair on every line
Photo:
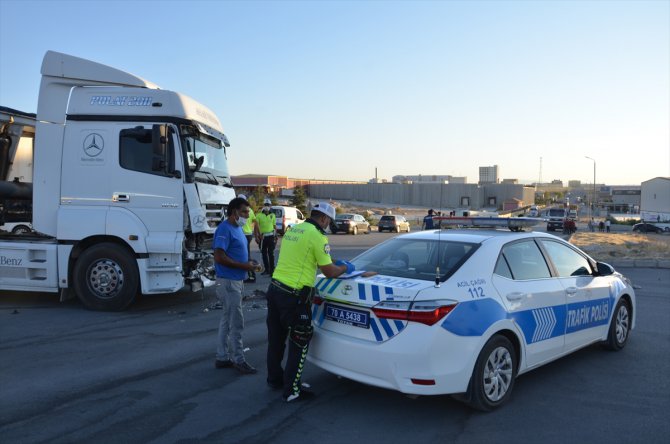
287, 217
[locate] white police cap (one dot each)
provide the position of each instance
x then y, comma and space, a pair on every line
325, 208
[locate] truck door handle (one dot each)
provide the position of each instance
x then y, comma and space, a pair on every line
515, 296
116, 197
571, 291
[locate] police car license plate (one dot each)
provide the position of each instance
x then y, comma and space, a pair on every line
348, 316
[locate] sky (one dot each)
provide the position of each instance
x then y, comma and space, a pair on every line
335, 89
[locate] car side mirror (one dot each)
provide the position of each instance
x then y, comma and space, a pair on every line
604, 269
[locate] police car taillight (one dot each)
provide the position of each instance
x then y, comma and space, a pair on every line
425, 312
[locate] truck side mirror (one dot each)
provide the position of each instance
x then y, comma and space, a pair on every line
159, 139
163, 151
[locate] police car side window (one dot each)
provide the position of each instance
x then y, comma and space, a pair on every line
526, 261
566, 260
502, 269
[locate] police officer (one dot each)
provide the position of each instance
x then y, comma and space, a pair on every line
267, 224
428, 221
304, 249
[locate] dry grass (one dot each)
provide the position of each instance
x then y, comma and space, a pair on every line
623, 245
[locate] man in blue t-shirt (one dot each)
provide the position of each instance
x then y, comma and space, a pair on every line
231, 261
428, 221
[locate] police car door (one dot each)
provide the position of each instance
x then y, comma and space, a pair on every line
534, 299
588, 302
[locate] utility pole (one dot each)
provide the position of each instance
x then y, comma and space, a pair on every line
594, 199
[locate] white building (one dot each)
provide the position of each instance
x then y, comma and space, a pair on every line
488, 174
655, 199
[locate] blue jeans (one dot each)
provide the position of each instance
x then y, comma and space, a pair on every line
229, 294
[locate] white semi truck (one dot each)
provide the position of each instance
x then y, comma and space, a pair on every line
123, 183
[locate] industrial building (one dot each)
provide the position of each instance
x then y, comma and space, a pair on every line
655, 199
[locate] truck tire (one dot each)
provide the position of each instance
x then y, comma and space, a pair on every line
106, 277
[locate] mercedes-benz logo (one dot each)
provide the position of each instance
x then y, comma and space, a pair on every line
198, 220
347, 289
93, 145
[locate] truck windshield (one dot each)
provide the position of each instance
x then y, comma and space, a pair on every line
554, 212
207, 158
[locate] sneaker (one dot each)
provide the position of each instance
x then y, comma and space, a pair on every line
245, 368
223, 364
303, 395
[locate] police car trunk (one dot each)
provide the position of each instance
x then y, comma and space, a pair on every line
364, 326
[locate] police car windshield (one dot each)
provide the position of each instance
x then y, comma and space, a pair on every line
416, 258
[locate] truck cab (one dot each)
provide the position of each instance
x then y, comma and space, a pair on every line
555, 218
130, 182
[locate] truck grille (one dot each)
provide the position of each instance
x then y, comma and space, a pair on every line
214, 214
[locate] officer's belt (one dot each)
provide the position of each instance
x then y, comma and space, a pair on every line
285, 288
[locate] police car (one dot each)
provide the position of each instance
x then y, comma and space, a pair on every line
465, 312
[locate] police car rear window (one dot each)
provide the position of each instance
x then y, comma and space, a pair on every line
416, 258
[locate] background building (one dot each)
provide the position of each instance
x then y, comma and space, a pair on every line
445, 196
429, 178
655, 199
488, 174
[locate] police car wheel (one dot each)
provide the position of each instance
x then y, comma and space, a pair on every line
106, 277
494, 374
619, 327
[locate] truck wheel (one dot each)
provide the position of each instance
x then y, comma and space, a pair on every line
106, 277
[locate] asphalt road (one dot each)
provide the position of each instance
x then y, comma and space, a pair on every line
147, 375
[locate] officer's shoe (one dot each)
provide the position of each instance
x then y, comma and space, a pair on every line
245, 368
223, 364
302, 395
275, 385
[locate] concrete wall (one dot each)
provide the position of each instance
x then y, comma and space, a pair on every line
425, 195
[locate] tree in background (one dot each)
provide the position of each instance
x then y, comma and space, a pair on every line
299, 198
273, 198
257, 197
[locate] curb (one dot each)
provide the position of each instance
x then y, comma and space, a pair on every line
641, 263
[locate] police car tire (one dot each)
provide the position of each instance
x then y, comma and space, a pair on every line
620, 319
476, 396
123, 267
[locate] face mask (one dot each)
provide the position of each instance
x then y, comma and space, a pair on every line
241, 221
266, 210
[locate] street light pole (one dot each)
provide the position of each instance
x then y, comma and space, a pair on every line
593, 200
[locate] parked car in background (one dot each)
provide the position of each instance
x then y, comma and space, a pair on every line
17, 227
286, 217
350, 224
647, 228
393, 223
